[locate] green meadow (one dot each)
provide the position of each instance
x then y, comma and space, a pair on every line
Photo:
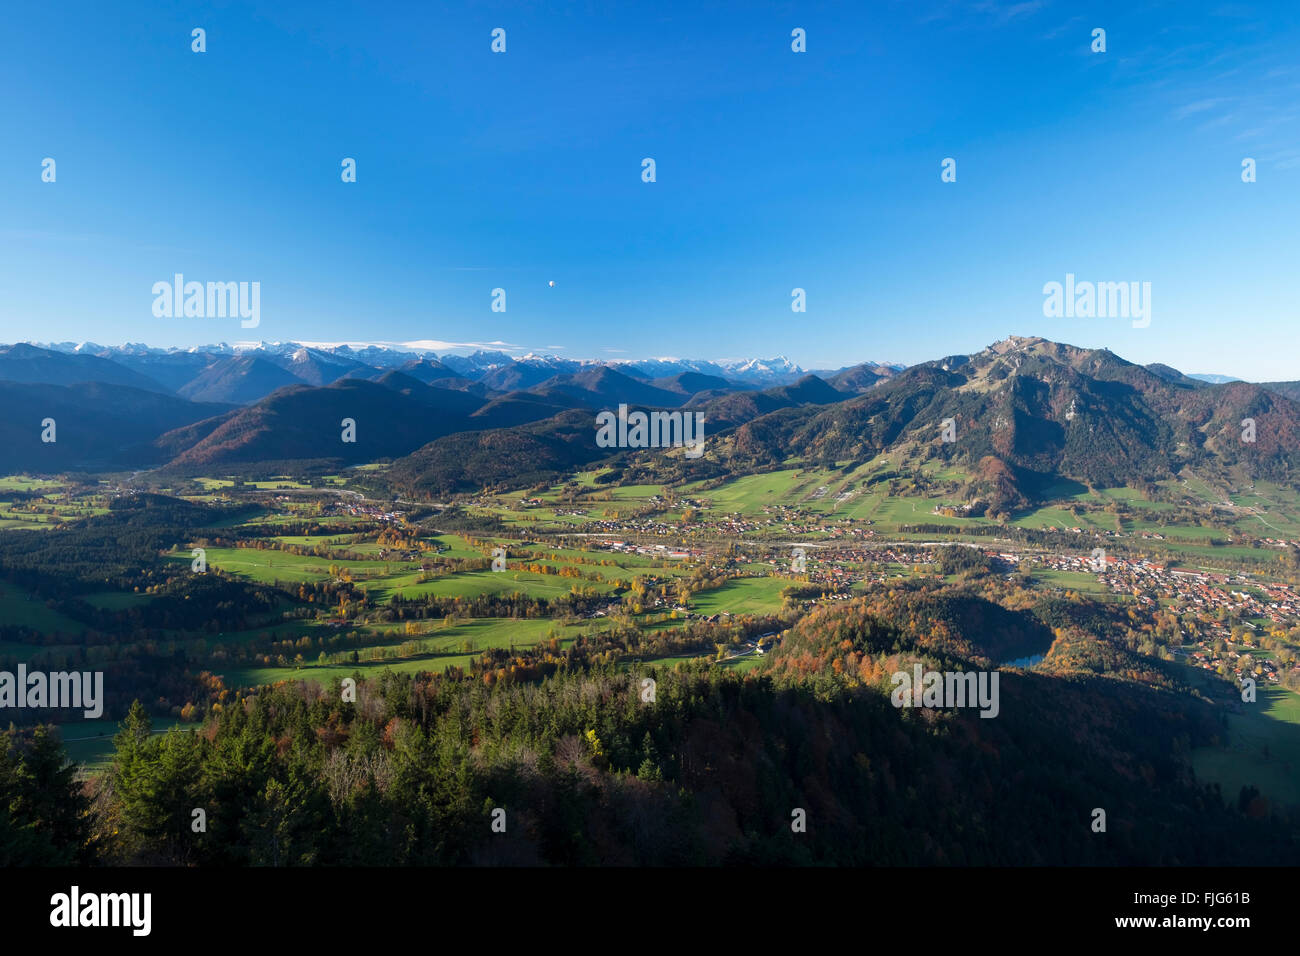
742, 596
18, 608
454, 646
1262, 749
89, 743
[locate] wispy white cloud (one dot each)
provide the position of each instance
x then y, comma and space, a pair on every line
1217, 122
1057, 31
1199, 106
1010, 11
1000, 10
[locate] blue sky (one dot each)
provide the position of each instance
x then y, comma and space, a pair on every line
775, 170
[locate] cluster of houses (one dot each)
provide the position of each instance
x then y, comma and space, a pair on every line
654, 550
646, 526
373, 512
835, 567
1208, 659
764, 642
1194, 590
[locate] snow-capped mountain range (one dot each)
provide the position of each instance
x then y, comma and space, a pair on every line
476, 365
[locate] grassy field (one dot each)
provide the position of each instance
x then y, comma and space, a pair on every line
1262, 749
89, 743
382, 579
55, 508
278, 483
1080, 581
116, 600
751, 493
27, 483
269, 565
16, 608
468, 584
743, 664
454, 646
742, 596
1262, 745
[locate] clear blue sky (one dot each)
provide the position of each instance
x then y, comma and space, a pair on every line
775, 170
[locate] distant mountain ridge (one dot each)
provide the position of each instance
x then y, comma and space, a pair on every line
1028, 413
323, 363
246, 373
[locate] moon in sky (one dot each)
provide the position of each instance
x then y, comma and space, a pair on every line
551, 283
